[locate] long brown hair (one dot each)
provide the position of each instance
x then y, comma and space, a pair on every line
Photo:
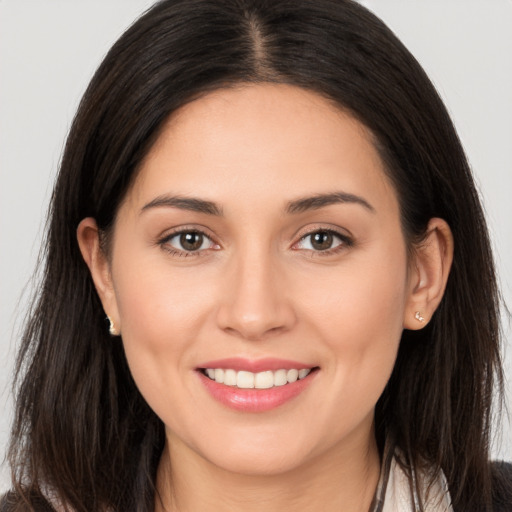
82, 431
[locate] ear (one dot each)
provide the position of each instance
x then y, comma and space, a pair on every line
88, 236
428, 274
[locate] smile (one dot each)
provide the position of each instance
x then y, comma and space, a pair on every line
261, 380
255, 386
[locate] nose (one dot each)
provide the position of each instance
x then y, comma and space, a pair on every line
255, 303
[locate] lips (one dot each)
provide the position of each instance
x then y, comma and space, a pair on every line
255, 385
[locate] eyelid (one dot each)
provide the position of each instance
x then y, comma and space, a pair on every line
315, 227
163, 240
347, 239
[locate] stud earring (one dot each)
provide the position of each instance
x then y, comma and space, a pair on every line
112, 328
419, 317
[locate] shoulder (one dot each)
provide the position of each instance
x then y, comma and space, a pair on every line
12, 502
502, 486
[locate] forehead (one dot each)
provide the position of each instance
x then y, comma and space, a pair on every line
262, 143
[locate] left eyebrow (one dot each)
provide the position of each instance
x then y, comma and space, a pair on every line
320, 200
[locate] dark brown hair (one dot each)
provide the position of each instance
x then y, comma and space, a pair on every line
82, 429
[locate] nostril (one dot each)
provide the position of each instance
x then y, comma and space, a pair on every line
255, 325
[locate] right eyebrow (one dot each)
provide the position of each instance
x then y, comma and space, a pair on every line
184, 203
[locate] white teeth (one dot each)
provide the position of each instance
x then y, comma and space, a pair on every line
292, 375
304, 373
219, 375
230, 378
280, 378
244, 380
261, 380
264, 380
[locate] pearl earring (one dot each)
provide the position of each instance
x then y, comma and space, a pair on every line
419, 317
112, 328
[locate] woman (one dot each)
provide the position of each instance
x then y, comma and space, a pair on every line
270, 205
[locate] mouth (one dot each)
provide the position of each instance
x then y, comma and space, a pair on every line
261, 380
255, 391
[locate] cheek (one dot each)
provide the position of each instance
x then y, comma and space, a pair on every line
161, 315
358, 313
158, 307
366, 295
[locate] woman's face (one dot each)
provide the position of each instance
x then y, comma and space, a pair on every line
261, 235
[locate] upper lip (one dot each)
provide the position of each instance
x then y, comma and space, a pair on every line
255, 365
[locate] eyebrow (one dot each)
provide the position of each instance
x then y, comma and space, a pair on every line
184, 203
320, 200
300, 205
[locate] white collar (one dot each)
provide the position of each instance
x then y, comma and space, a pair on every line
397, 492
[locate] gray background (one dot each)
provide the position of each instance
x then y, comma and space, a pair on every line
50, 48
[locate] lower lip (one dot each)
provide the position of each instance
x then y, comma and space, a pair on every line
255, 400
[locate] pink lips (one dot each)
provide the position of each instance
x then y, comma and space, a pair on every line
254, 400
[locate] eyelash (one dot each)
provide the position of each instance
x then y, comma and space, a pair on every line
164, 243
345, 242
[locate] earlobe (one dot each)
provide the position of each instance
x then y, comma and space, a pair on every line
88, 236
429, 274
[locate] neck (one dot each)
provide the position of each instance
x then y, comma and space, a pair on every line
345, 479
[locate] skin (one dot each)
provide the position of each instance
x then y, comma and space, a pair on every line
258, 288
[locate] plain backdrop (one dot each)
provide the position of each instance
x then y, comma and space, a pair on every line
49, 50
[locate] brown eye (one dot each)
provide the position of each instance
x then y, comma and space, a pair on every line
191, 241
188, 242
322, 240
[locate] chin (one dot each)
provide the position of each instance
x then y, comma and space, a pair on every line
265, 456
260, 464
